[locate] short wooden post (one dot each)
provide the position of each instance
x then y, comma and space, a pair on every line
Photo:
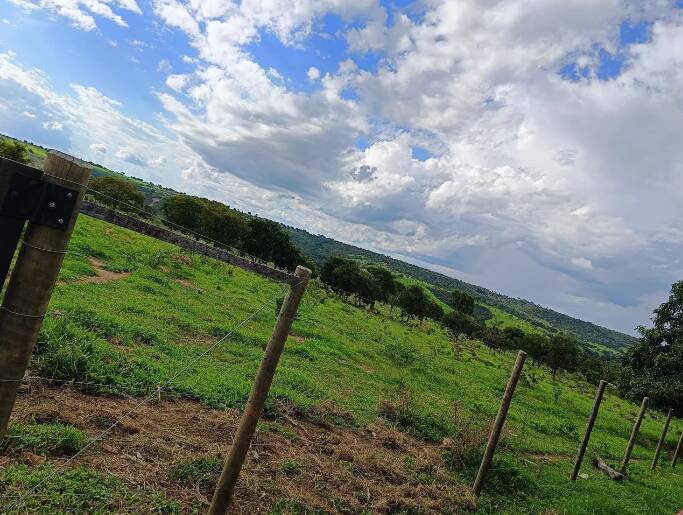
499, 423
223, 495
634, 435
678, 450
35, 274
660, 444
589, 429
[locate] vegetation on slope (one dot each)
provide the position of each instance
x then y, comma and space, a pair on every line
155, 326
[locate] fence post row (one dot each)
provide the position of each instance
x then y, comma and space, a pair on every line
225, 488
662, 438
497, 428
50, 203
589, 429
634, 435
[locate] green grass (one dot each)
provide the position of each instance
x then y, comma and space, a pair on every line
50, 438
201, 471
150, 329
40, 490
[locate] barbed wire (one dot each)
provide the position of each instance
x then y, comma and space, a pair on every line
148, 398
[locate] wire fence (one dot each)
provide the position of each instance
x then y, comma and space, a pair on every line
139, 403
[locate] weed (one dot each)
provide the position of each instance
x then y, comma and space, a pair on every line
290, 467
49, 438
201, 471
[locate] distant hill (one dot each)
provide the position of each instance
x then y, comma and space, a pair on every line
319, 248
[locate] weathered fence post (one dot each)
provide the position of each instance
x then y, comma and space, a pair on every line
678, 450
589, 429
634, 435
35, 273
225, 488
660, 444
499, 423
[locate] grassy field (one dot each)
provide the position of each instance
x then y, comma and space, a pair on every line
133, 313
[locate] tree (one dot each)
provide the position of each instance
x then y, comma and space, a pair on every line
562, 353
458, 322
415, 303
117, 192
463, 302
184, 211
14, 150
385, 279
654, 366
268, 241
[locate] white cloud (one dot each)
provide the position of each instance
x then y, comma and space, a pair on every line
100, 148
313, 74
53, 126
28, 114
81, 12
177, 82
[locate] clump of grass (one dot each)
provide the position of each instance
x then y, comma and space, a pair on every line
404, 413
52, 438
42, 490
202, 471
290, 467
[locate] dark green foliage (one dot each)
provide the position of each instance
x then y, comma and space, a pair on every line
268, 241
654, 367
458, 322
563, 352
463, 302
14, 150
415, 303
117, 192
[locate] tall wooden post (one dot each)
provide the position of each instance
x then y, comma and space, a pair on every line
678, 450
222, 497
497, 428
662, 438
634, 435
34, 276
589, 429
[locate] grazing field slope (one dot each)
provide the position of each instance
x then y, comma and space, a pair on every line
367, 414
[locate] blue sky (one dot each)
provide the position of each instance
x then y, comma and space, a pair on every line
532, 151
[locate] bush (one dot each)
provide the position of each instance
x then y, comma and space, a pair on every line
405, 415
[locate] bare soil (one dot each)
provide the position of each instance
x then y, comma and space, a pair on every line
102, 274
374, 469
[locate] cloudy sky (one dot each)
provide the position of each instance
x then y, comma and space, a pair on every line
531, 146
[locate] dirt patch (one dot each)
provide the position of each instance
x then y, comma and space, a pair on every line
297, 338
184, 282
375, 469
102, 274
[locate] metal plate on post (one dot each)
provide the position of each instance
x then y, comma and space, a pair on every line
56, 206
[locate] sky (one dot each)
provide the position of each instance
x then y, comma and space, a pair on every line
533, 147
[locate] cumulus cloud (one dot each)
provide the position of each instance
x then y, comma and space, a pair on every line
313, 74
100, 148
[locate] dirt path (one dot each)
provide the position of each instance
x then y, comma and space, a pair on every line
340, 470
103, 275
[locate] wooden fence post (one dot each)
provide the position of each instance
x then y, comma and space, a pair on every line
589, 429
499, 423
35, 274
225, 488
660, 444
634, 435
678, 450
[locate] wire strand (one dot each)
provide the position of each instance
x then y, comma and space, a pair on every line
146, 399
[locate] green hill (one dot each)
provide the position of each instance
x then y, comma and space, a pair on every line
367, 414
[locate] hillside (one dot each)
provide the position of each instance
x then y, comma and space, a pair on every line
319, 248
368, 414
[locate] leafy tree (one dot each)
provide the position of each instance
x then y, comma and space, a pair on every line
458, 322
14, 150
268, 241
654, 366
338, 272
184, 211
493, 338
415, 303
385, 280
117, 192
463, 302
222, 224
562, 353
